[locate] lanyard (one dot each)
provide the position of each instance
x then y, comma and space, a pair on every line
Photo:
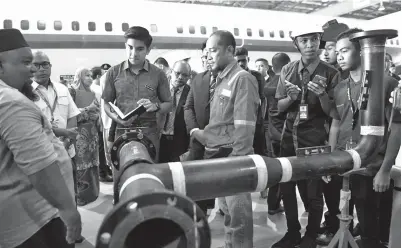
45, 99
353, 108
305, 79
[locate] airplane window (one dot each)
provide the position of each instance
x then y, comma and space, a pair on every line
281, 34
58, 25
261, 33
124, 27
249, 32
180, 30
154, 28
191, 29
7, 24
91, 26
203, 30
271, 34
24, 24
214, 29
41, 25
397, 42
236, 31
108, 26
75, 26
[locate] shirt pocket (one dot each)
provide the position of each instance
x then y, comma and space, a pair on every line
148, 91
223, 104
62, 103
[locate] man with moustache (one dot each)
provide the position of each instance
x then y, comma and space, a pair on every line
37, 207
230, 132
308, 103
174, 138
196, 114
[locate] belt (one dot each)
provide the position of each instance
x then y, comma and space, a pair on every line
168, 136
214, 149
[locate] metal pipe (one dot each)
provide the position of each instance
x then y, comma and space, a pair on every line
144, 205
207, 179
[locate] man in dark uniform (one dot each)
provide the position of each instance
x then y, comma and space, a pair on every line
275, 123
328, 42
332, 187
260, 146
344, 133
306, 98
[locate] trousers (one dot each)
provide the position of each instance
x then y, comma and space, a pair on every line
238, 219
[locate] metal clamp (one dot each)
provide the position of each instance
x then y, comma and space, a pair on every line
127, 137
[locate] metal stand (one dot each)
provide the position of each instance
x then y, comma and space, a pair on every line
343, 237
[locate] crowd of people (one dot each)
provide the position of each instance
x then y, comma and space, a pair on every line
55, 139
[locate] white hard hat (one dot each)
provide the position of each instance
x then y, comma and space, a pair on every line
306, 30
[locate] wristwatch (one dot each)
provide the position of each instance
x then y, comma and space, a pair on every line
158, 107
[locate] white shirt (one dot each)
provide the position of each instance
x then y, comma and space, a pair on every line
65, 106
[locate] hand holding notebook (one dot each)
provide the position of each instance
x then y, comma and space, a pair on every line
137, 111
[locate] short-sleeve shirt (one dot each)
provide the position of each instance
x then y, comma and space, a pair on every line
27, 146
317, 118
344, 109
125, 88
65, 107
276, 118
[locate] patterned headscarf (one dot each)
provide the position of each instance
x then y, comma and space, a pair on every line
78, 77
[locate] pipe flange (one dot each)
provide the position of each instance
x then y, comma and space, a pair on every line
387, 33
168, 213
128, 137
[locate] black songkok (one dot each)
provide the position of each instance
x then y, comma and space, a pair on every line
105, 67
331, 30
11, 39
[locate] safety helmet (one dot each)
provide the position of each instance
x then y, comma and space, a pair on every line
305, 31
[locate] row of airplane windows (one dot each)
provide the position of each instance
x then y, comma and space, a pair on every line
75, 26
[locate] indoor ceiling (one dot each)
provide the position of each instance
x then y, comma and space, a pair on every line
359, 9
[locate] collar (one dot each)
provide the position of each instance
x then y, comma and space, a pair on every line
227, 69
180, 88
311, 67
351, 81
126, 65
266, 77
35, 85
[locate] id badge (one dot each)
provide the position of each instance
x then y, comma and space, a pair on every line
303, 111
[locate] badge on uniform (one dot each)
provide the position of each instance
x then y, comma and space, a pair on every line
303, 111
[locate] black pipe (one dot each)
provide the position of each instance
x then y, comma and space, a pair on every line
207, 179
144, 206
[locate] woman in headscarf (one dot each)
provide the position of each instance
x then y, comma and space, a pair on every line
87, 156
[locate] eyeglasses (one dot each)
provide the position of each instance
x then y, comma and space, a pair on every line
177, 74
45, 65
